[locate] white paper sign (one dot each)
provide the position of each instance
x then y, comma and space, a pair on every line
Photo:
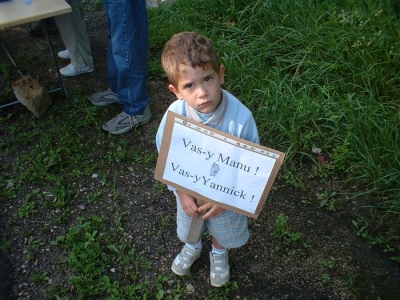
217, 166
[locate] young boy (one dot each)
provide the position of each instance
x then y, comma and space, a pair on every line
195, 76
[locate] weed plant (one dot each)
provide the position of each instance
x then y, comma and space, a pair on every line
316, 74
288, 241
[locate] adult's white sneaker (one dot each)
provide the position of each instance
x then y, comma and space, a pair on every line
64, 54
72, 70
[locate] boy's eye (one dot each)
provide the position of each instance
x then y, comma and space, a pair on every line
207, 79
188, 86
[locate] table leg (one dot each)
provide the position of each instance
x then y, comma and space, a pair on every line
11, 59
15, 65
50, 43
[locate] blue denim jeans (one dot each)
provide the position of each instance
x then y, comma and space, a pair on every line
127, 53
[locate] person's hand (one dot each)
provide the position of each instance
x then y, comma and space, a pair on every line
212, 211
189, 204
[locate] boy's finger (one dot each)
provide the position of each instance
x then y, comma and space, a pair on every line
204, 207
206, 216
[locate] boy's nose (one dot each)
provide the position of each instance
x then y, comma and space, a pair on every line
202, 92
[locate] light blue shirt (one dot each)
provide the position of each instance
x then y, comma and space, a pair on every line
231, 117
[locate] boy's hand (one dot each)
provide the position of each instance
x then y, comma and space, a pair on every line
213, 211
189, 204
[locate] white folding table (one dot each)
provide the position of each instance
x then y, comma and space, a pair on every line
16, 12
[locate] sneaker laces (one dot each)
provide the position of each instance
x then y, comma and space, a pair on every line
120, 120
117, 118
135, 123
131, 124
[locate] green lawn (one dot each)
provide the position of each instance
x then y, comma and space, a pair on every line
320, 77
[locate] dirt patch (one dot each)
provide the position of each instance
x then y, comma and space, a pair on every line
331, 262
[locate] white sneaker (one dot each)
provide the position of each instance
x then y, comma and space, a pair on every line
72, 70
64, 54
184, 260
219, 269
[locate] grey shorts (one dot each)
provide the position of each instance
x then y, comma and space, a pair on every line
230, 229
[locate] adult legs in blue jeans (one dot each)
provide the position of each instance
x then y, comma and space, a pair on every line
127, 65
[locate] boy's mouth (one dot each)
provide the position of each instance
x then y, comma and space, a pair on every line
206, 103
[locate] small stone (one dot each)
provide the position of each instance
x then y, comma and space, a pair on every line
316, 150
189, 288
112, 270
82, 207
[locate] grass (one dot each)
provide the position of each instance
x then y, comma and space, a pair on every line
48, 171
91, 254
322, 74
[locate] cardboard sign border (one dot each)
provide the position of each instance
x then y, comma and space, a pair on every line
165, 146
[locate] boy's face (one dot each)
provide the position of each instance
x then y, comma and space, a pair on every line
201, 88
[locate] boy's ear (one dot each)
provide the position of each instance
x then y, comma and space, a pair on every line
175, 91
222, 74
